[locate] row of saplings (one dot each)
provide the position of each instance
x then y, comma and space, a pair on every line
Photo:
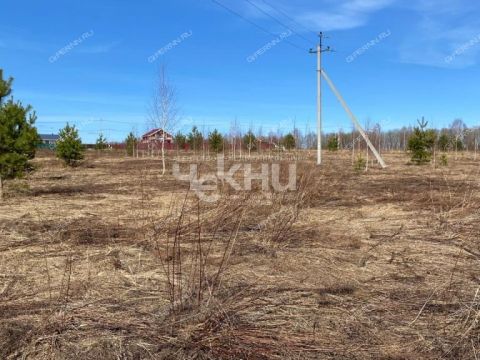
423, 142
421, 145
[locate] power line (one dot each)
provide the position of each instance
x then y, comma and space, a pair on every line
84, 122
254, 24
289, 17
277, 21
104, 130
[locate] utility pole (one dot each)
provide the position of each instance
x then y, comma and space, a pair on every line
321, 72
319, 51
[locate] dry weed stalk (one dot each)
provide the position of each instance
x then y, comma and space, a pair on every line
194, 247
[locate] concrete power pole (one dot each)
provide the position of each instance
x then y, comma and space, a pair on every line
319, 52
321, 72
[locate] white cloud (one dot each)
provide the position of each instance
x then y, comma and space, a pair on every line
366, 5
332, 21
87, 98
22, 45
447, 35
436, 30
338, 15
98, 49
326, 15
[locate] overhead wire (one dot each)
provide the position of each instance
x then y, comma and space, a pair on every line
84, 122
277, 20
255, 24
289, 17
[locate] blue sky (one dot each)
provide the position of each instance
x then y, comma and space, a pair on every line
426, 66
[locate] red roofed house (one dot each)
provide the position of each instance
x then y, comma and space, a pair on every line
153, 139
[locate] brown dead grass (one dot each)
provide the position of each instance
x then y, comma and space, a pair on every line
111, 260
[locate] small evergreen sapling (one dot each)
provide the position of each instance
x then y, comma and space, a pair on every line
101, 143
249, 140
195, 139
180, 141
444, 160
421, 143
131, 143
360, 164
215, 140
69, 146
332, 144
444, 142
289, 142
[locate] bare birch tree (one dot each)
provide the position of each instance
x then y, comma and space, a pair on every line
164, 110
459, 129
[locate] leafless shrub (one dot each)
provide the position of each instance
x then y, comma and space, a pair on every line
194, 245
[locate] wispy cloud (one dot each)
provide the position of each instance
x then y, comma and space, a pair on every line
18, 44
343, 15
85, 98
99, 48
327, 15
21, 44
435, 30
444, 28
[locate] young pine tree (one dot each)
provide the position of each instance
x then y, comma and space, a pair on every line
459, 145
249, 140
69, 146
180, 140
18, 135
421, 143
131, 143
332, 144
215, 140
101, 143
444, 142
289, 142
195, 139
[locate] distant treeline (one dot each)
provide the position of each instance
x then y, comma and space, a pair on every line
456, 137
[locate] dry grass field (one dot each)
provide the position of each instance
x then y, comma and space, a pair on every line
112, 260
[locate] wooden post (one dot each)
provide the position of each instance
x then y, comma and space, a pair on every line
366, 166
353, 148
163, 154
476, 146
1, 189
